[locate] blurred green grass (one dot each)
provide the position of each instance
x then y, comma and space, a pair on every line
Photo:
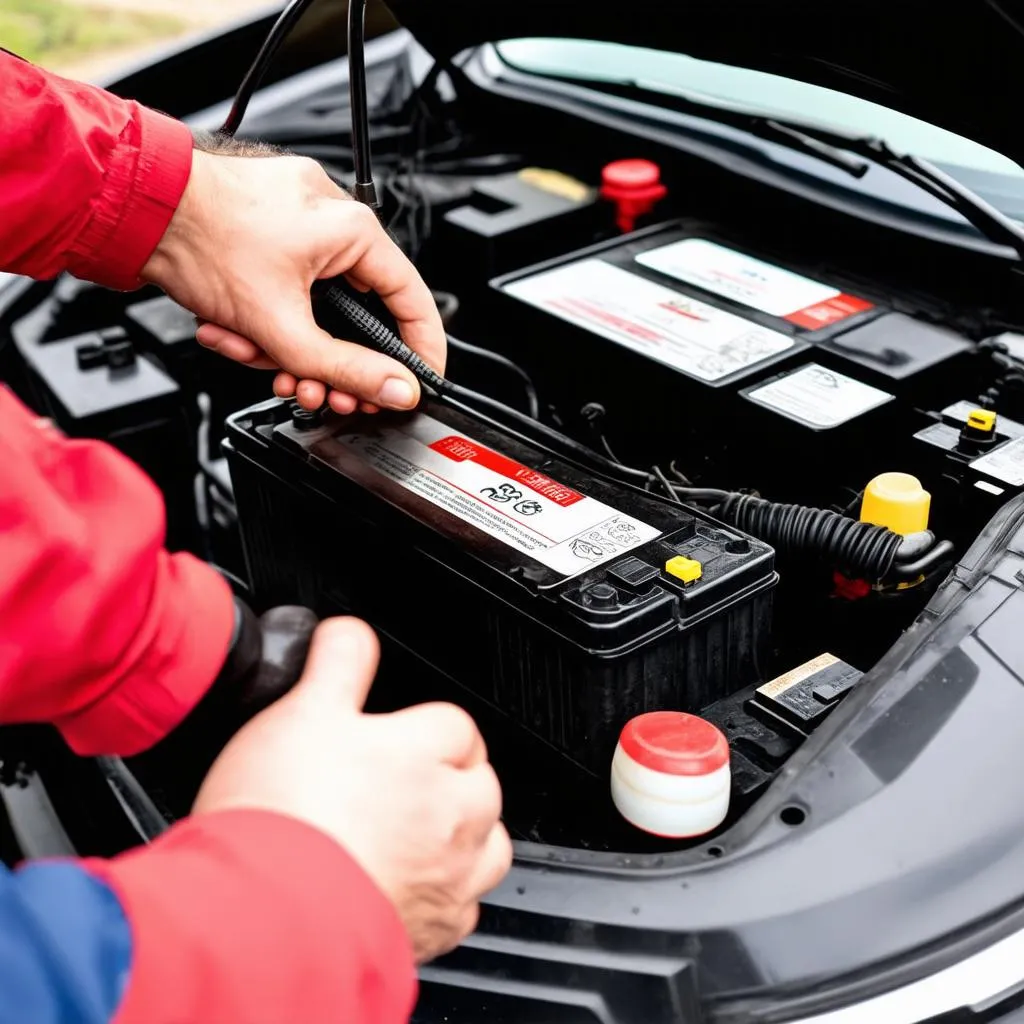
54, 32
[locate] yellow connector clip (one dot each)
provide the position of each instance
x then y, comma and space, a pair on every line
982, 419
686, 569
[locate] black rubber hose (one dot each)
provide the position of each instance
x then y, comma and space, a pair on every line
862, 549
942, 552
254, 76
364, 189
532, 400
539, 431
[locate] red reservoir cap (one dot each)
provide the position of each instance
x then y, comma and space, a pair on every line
634, 186
675, 743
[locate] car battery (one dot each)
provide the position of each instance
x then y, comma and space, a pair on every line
97, 385
676, 326
567, 602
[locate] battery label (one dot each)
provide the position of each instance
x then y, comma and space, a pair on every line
819, 397
553, 524
1005, 463
688, 335
770, 289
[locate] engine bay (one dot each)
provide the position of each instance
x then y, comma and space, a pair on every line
750, 436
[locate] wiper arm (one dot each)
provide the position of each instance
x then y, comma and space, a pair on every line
841, 149
920, 172
788, 134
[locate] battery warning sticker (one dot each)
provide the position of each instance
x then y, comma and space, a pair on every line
762, 286
818, 396
553, 524
686, 334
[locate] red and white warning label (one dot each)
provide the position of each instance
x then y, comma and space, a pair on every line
658, 322
552, 523
754, 283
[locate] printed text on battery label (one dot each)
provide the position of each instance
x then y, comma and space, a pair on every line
658, 322
752, 282
460, 449
554, 524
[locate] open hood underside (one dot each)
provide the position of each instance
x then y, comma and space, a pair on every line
959, 65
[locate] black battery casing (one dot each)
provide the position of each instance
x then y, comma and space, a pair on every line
572, 659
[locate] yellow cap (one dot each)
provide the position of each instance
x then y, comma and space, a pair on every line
898, 501
982, 419
685, 569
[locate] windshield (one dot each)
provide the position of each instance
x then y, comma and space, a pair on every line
992, 175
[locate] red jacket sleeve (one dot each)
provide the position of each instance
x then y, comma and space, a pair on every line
88, 181
102, 632
255, 917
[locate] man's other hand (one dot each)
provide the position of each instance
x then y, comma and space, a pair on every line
410, 795
250, 237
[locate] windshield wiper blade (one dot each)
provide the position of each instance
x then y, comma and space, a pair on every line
991, 222
840, 149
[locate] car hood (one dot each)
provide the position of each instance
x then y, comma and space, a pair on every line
958, 65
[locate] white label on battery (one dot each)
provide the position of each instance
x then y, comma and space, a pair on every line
552, 523
658, 322
820, 397
1005, 463
753, 282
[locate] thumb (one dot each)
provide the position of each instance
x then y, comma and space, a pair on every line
341, 664
298, 344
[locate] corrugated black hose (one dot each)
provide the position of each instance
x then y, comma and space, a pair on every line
863, 550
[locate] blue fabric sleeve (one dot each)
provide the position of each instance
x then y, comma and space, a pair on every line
65, 946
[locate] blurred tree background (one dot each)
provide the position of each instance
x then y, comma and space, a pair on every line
56, 33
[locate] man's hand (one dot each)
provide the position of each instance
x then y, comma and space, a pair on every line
250, 237
410, 795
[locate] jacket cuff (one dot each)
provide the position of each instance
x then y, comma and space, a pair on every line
145, 178
254, 916
189, 627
